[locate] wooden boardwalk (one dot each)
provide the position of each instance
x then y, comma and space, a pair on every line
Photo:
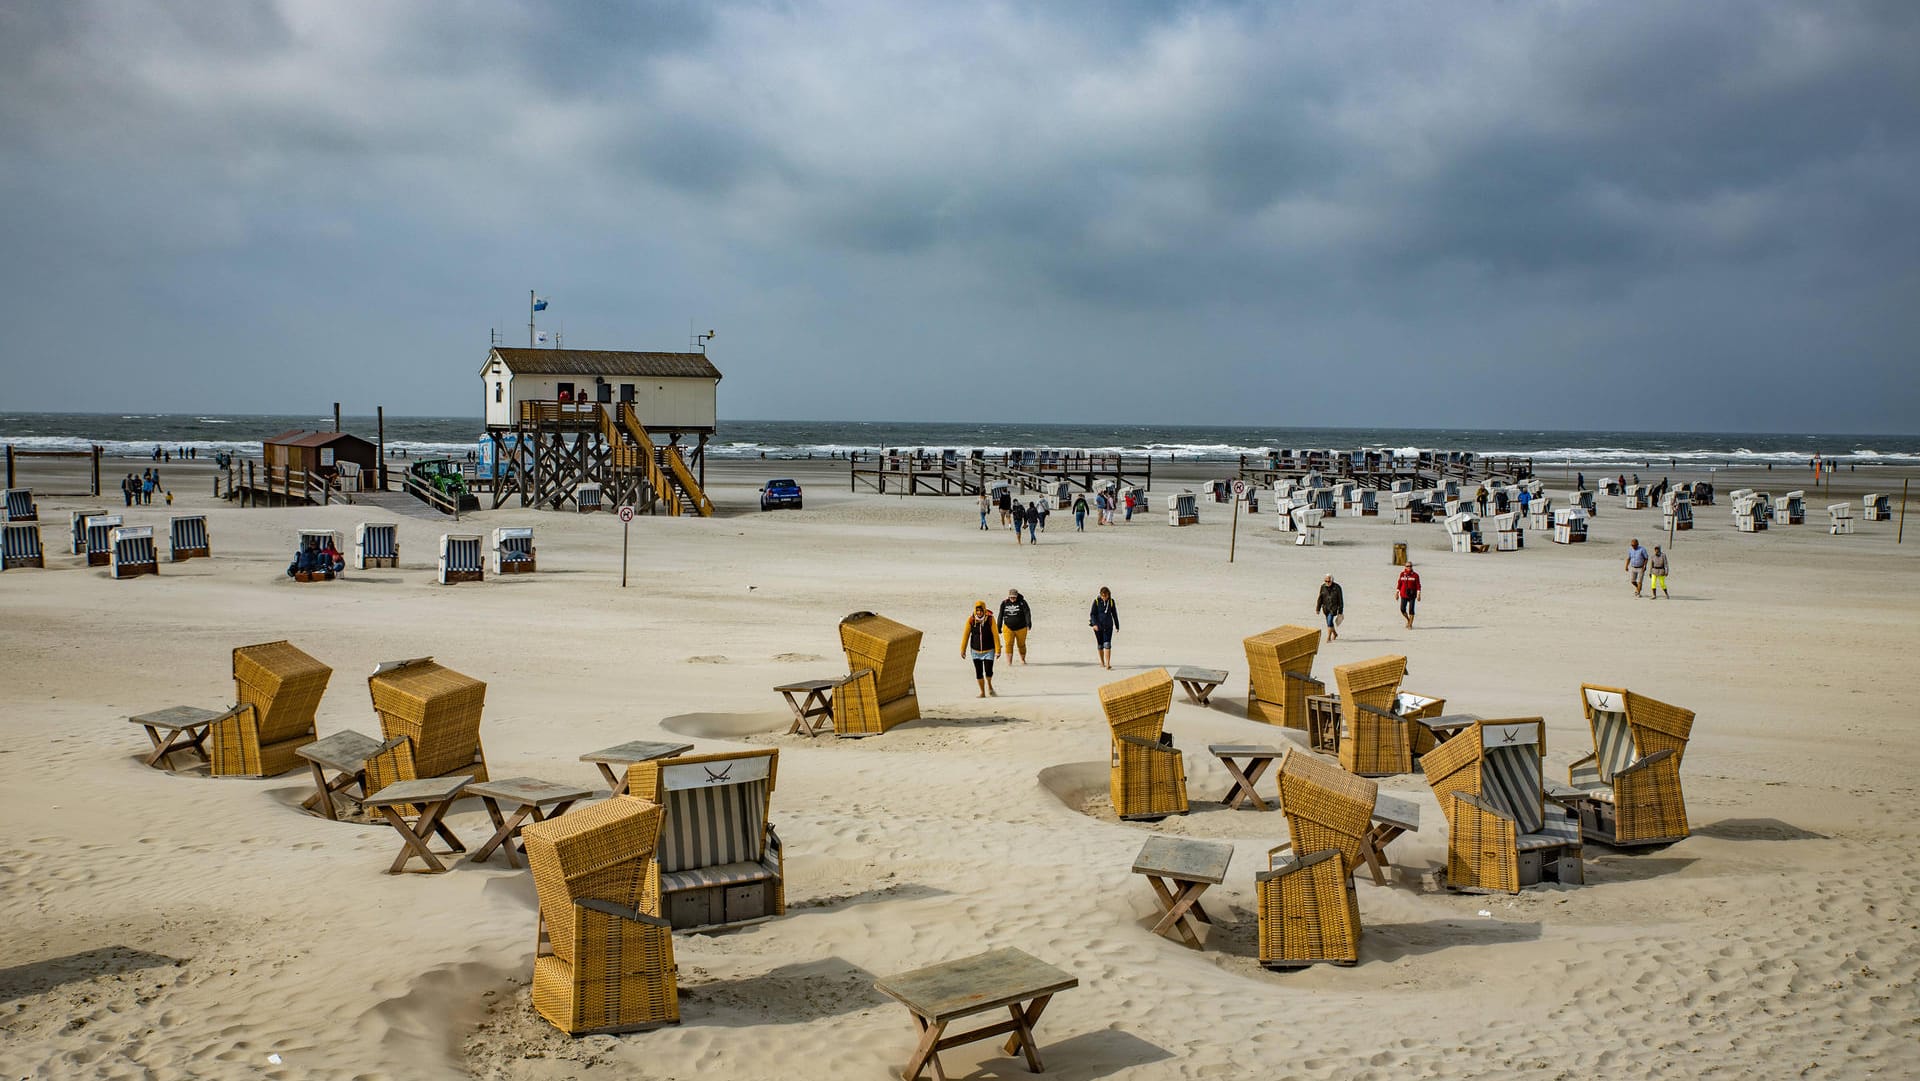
929, 472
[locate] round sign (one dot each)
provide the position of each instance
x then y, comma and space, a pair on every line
1239, 487
626, 514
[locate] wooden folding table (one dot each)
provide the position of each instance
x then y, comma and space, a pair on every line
190, 724
812, 713
1259, 757
940, 994
345, 753
1180, 870
626, 754
531, 798
1199, 683
1392, 817
432, 796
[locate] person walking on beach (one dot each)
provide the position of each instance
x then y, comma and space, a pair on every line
1080, 514
1016, 618
1033, 521
1657, 574
1580, 485
1019, 514
985, 506
1407, 588
1041, 508
1129, 498
1006, 506
1332, 604
1104, 618
1636, 564
978, 644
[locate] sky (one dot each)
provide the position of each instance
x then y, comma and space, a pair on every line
1699, 216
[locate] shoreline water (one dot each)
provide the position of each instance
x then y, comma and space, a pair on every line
133, 436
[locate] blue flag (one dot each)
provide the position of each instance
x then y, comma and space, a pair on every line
540, 305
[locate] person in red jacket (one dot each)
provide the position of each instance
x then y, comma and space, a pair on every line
1408, 590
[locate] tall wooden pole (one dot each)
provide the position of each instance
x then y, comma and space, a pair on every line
1900, 534
380, 419
336, 416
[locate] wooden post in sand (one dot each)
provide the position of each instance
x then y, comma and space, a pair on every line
1900, 534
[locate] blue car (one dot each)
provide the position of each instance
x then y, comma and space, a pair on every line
780, 493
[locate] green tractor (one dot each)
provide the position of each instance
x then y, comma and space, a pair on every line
444, 478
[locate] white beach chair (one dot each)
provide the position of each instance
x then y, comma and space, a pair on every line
1507, 532
1402, 506
1308, 522
133, 552
1463, 531
1365, 503
1878, 507
587, 498
1792, 508
20, 546
513, 550
1539, 513
1840, 519
461, 558
315, 539
100, 529
1569, 525
376, 544
187, 537
1749, 513
1676, 514
1634, 497
20, 505
1184, 509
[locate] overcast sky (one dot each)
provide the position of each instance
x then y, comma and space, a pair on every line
1699, 215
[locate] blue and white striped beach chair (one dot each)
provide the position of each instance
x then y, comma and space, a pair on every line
20, 505
133, 552
20, 546
513, 551
79, 526
100, 529
376, 544
462, 558
187, 537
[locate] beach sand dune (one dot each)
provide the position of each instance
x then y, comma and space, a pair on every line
172, 925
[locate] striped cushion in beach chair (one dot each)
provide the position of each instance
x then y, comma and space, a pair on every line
79, 528
133, 552
20, 546
100, 529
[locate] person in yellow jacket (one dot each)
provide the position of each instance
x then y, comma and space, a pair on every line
978, 644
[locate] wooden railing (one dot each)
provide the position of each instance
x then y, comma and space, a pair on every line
621, 419
687, 484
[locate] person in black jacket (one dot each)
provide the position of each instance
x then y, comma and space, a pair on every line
1331, 604
1016, 617
1104, 618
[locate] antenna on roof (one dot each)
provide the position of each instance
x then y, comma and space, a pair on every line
700, 340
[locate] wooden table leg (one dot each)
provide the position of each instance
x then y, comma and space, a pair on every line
1373, 850
1028, 1018
159, 747
415, 843
616, 785
1174, 906
926, 1051
1245, 780
322, 798
799, 715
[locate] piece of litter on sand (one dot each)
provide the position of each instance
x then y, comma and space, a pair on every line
274, 1059
1485, 912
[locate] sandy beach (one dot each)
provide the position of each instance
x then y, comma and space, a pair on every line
169, 925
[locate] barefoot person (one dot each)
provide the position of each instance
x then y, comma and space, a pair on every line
979, 644
1104, 618
1332, 604
1407, 588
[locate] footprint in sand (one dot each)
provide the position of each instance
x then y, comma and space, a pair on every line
707, 659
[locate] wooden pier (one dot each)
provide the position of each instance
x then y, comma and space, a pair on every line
1381, 469
931, 472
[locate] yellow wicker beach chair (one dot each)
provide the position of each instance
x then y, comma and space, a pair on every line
430, 717
1630, 785
1148, 778
856, 705
1374, 740
1280, 675
1308, 911
604, 962
890, 649
1502, 834
719, 860
278, 689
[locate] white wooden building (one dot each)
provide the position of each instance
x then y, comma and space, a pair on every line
670, 392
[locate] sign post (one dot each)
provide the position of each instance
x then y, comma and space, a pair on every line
1233, 538
626, 524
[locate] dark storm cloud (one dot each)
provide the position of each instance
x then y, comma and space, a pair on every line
1580, 201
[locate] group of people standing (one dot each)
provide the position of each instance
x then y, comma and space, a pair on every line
990, 635
138, 488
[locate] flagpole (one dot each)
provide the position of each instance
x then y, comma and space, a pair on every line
529, 319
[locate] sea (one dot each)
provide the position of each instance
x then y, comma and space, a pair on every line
137, 434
